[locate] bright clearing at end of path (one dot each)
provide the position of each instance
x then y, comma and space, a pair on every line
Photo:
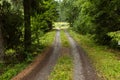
61, 25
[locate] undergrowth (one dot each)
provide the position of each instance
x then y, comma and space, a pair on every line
14, 69
106, 62
47, 39
10, 72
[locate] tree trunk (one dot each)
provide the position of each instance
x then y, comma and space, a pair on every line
49, 25
1, 45
27, 33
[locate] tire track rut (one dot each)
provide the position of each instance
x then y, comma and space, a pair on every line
83, 70
45, 71
45, 67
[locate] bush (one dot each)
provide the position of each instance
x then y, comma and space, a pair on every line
115, 41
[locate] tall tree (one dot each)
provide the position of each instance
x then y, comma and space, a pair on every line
1, 43
27, 34
1, 37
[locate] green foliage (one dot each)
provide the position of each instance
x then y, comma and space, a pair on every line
14, 67
10, 52
11, 19
63, 69
106, 19
47, 39
42, 20
93, 17
115, 38
11, 23
43, 13
105, 61
83, 23
44, 41
14, 22
69, 11
10, 72
115, 35
78, 15
1, 68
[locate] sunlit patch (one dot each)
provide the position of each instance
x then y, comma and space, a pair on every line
119, 43
61, 25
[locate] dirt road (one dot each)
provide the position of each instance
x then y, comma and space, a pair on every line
82, 67
45, 71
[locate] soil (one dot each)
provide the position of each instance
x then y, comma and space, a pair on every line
65, 51
42, 66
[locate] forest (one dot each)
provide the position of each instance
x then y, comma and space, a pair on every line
97, 17
22, 23
27, 28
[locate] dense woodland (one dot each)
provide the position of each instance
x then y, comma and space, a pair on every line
24, 22
101, 18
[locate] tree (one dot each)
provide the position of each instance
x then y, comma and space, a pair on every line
94, 17
27, 32
1, 41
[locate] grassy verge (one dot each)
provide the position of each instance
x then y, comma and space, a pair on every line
105, 62
48, 38
64, 39
11, 71
63, 69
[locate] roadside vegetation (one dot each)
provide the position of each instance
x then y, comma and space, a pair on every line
105, 60
13, 70
25, 30
99, 18
96, 25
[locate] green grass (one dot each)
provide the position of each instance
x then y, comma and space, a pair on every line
63, 69
106, 63
64, 39
48, 38
10, 71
